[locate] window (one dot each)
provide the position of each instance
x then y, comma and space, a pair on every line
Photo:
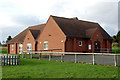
96, 43
45, 45
12, 47
20, 48
89, 47
80, 43
29, 47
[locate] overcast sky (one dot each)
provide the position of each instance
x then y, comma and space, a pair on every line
17, 15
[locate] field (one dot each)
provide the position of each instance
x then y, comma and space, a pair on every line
33, 68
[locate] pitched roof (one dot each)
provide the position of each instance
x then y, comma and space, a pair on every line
78, 28
35, 33
34, 29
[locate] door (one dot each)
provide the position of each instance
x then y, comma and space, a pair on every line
20, 48
28, 47
97, 47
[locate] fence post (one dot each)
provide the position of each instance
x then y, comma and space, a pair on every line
9, 60
49, 56
115, 60
19, 59
4, 60
22, 54
75, 58
62, 57
1, 60
40, 55
12, 60
93, 58
15, 60
31, 54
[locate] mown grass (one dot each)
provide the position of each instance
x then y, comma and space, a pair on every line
33, 68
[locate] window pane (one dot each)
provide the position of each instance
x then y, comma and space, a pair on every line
80, 43
45, 45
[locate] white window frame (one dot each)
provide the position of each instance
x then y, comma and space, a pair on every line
80, 42
30, 47
89, 47
20, 48
12, 47
45, 45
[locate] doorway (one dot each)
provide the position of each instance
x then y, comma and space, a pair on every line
96, 47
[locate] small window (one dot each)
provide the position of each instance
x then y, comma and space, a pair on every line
95, 43
80, 43
45, 45
20, 48
12, 47
28, 47
89, 47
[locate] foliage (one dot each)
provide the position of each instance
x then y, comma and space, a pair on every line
116, 38
9, 38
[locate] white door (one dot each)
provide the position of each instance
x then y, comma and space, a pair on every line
20, 48
28, 47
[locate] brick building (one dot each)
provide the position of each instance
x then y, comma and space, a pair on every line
68, 34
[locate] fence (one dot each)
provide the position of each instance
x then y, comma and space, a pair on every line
10, 60
94, 58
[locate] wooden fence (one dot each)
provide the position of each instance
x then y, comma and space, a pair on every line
10, 60
72, 53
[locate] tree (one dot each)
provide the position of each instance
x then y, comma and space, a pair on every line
114, 38
118, 37
9, 38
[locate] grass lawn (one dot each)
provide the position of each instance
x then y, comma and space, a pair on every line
33, 68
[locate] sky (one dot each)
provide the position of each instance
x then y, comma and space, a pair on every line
17, 15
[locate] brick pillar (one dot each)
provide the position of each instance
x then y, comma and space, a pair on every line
108, 45
15, 48
92, 46
101, 46
74, 45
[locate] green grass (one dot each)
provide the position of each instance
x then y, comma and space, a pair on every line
33, 68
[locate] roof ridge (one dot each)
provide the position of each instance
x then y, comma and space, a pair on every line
74, 19
37, 25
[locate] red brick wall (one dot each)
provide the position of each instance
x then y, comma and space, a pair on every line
29, 39
69, 45
14, 50
53, 34
72, 45
95, 37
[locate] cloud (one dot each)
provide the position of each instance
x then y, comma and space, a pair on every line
19, 14
27, 20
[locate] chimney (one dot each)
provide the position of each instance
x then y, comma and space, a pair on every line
75, 18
